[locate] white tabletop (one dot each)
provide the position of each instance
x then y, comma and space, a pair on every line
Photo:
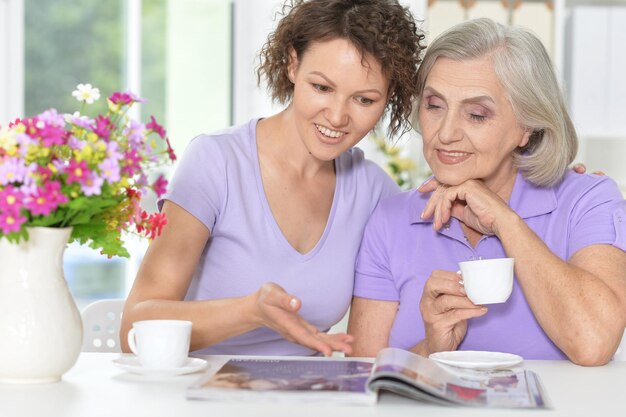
95, 387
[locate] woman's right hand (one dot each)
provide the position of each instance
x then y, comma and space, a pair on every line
445, 309
274, 308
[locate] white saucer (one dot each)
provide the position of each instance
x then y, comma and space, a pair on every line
471, 359
131, 364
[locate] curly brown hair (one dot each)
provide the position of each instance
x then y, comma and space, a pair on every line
382, 29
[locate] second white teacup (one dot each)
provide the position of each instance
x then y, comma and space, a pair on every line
160, 344
488, 281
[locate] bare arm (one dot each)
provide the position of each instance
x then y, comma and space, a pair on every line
166, 273
579, 302
370, 323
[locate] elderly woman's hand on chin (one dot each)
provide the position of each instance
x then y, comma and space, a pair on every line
444, 305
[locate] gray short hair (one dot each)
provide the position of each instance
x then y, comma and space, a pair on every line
525, 70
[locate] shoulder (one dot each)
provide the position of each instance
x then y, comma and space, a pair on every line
233, 139
576, 187
403, 208
357, 169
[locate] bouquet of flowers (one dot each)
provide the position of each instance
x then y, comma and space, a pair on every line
86, 173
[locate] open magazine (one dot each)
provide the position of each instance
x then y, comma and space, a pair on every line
358, 381
354, 381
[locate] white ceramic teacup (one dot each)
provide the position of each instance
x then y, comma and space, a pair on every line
160, 344
488, 281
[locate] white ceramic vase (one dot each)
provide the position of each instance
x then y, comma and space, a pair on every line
40, 327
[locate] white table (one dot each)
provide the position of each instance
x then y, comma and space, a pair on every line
94, 387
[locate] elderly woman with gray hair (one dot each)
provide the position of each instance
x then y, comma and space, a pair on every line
498, 138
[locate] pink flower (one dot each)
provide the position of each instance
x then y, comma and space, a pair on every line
135, 132
77, 172
31, 127
46, 199
53, 189
155, 127
11, 222
52, 135
160, 186
11, 199
16, 122
103, 127
12, 170
110, 170
122, 98
92, 185
131, 162
170, 150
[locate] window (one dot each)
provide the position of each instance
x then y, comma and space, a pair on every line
174, 53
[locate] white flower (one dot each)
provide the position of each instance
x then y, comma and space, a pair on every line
86, 93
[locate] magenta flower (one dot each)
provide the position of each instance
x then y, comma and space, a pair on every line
103, 127
11, 199
53, 190
155, 127
46, 199
52, 135
11, 222
160, 186
77, 172
170, 150
31, 125
131, 162
122, 98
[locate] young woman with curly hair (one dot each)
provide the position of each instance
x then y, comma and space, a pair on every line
265, 219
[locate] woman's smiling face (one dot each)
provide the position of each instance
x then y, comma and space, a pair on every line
468, 126
339, 96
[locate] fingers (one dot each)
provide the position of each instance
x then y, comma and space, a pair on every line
579, 168
274, 294
320, 341
433, 203
445, 309
278, 311
429, 185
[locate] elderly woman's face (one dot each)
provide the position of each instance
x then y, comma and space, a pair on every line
468, 124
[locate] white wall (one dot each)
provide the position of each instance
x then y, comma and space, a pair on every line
595, 62
12, 60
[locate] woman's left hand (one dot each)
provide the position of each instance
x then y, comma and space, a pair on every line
471, 202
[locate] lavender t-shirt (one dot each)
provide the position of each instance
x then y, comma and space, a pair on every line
219, 182
400, 250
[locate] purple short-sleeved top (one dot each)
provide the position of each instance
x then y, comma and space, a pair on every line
400, 250
219, 182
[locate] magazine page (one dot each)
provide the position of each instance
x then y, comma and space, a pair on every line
421, 378
283, 379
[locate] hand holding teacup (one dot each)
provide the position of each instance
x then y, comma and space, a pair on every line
445, 310
449, 300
